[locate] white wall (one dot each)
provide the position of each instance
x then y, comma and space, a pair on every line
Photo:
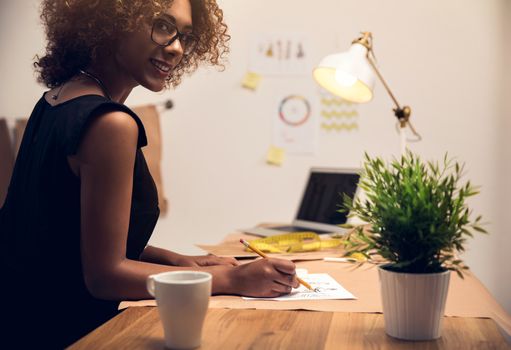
503, 174
443, 58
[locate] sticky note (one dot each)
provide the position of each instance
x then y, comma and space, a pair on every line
275, 155
251, 81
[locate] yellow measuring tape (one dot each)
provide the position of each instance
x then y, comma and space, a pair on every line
294, 242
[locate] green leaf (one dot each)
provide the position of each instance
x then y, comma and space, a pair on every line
479, 229
417, 212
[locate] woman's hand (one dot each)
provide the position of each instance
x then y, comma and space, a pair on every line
203, 260
264, 278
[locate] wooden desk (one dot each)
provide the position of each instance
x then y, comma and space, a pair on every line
233, 323
140, 328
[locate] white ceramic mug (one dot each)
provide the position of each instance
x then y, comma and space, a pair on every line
182, 298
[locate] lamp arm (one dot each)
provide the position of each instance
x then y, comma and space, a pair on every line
402, 113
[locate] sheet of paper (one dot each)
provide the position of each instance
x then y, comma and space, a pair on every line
251, 81
328, 287
295, 123
283, 53
275, 155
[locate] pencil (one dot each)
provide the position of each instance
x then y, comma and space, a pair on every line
257, 251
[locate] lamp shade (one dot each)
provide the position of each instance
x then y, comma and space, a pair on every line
348, 74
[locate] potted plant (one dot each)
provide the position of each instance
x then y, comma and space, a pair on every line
417, 222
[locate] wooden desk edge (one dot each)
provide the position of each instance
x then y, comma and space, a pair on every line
359, 329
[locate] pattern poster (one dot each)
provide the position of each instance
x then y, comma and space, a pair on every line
337, 114
280, 54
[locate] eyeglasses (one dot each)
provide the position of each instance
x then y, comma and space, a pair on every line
165, 33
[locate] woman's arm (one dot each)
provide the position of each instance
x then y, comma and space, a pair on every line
106, 159
167, 257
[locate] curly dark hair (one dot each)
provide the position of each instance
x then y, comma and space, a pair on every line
79, 30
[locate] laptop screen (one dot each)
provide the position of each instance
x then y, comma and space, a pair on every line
323, 196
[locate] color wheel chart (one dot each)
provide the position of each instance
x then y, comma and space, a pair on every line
337, 114
294, 110
294, 124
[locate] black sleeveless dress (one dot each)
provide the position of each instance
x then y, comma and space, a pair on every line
47, 302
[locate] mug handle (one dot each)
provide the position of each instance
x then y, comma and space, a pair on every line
150, 285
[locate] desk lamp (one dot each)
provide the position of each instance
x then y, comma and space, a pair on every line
350, 75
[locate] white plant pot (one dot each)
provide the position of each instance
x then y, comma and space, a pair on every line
413, 304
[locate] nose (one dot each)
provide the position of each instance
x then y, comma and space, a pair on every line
174, 48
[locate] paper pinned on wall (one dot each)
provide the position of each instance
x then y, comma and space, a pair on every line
275, 155
337, 114
328, 288
251, 81
294, 125
280, 53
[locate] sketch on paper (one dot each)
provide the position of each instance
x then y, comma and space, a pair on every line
328, 288
280, 54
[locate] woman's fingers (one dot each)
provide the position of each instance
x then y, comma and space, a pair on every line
282, 288
265, 278
227, 261
281, 275
211, 259
287, 280
286, 272
284, 266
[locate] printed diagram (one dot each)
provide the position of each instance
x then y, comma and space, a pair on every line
279, 54
337, 115
294, 110
294, 126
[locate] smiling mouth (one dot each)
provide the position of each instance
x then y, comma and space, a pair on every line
163, 67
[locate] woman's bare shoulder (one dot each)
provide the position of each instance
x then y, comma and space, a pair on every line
110, 137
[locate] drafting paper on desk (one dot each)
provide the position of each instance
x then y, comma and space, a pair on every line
328, 287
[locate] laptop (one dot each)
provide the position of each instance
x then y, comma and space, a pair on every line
321, 200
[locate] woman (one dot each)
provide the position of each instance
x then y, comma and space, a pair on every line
81, 204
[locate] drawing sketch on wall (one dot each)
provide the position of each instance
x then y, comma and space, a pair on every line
280, 54
337, 114
294, 125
